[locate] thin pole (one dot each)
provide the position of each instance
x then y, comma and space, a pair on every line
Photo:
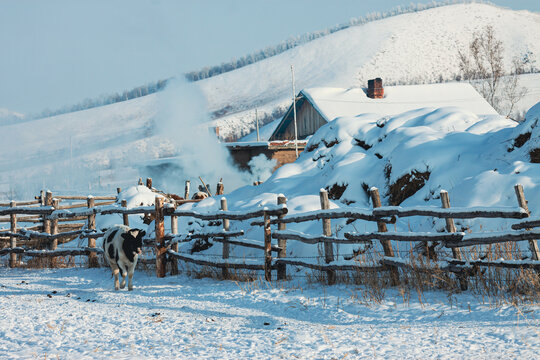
294, 114
257, 120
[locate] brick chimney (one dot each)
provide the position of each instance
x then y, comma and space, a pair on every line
375, 89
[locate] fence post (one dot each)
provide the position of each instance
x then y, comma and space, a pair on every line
381, 227
282, 243
220, 188
533, 245
161, 250
92, 257
149, 183
125, 216
174, 246
451, 228
225, 248
327, 231
54, 231
186, 190
267, 248
13, 239
47, 222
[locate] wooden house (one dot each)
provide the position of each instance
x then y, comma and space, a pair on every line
318, 106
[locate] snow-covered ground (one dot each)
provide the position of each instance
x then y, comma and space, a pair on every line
76, 314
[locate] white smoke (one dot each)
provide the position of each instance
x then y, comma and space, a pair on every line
261, 167
183, 120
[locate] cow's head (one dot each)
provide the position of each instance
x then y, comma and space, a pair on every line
133, 241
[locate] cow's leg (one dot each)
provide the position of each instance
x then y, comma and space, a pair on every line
131, 270
123, 272
115, 273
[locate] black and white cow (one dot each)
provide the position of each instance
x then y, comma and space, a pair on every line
122, 247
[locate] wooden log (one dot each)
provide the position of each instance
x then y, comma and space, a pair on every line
161, 250
186, 189
381, 227
267, 249
125, 217
54, 230
327, 231
64, 197
212, 234
51, 253
315, 239
282, 243
91, 225
522, 202
22, 219
46, 222
225, 247
228, 265
342, 213
526, 224
246, 244
488, 238
508, 264
205, 187
149, 183
219, 188
330, 267
27, 210
174, 246
456, 213
451, 228
231, 215
398, 262
13, 240
187, 201
22, 203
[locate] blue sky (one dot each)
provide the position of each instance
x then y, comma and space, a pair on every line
55, 53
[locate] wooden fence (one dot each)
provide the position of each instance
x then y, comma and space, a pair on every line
166, 245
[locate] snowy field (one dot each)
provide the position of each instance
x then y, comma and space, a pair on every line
75, 314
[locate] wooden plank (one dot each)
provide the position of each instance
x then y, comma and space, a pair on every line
508, 264
327, 231
381, 226
282, 243
522, 202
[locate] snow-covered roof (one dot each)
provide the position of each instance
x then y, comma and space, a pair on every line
332, 103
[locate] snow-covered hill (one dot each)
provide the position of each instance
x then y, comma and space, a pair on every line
409, 48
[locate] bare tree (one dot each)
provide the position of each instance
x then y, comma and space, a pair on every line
483, 66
